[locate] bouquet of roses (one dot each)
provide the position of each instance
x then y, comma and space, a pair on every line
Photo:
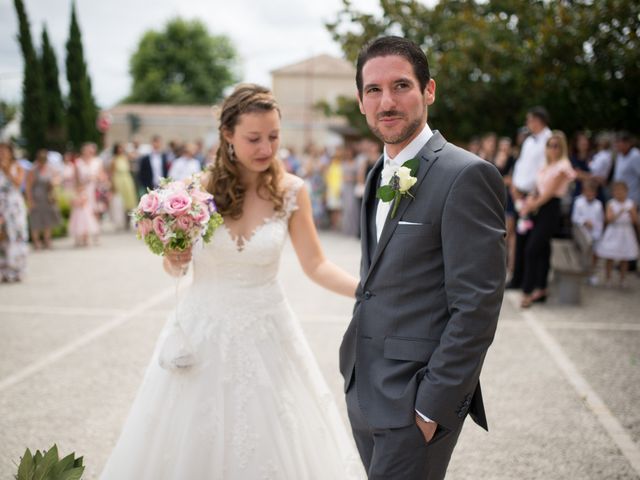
175, 215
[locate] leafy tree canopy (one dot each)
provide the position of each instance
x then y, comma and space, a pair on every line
183, 64
493, 60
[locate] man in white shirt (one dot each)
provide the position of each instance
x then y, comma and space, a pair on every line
627, 167
153, 166
525, 172
431, 280
185, 165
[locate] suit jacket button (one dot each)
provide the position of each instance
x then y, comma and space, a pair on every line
367, 295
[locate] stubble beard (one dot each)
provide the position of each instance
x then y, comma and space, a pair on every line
406, 133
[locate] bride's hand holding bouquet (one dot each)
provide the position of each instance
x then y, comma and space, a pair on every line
170, 220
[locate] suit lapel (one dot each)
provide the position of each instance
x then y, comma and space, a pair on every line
368, 212
428, 156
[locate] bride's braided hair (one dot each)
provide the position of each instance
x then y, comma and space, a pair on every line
224, 178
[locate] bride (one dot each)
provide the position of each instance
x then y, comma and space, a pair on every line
254, 405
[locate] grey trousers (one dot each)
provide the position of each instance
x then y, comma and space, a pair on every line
399, 453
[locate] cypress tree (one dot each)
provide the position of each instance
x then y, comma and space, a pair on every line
82, 111
33, 107
55, 121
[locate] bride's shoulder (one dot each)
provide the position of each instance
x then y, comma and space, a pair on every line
291, 183
291, 186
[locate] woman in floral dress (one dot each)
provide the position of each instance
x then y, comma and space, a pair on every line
13, 218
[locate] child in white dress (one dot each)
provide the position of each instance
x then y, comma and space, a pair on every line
619, 242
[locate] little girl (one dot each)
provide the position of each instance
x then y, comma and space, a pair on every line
619, 241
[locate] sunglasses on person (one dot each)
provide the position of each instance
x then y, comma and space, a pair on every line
553, 145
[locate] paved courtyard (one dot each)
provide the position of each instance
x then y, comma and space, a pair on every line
561, 384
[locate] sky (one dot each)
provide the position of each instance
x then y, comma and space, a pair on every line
267, 34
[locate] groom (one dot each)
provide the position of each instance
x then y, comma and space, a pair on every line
432, 278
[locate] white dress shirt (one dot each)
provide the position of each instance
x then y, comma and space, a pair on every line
627, 170
155, 158
530, 161
601, 164
391, 165
589, 211
184, 167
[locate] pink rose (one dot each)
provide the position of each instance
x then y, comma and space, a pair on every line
160, 228
145, 226
177, 203
202, 214
150, 202
184, 222
201, 196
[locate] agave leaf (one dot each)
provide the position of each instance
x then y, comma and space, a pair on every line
73, 474
26, 467
78, 462
65, 464
48, 461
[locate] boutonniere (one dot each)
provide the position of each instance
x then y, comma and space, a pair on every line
398, 183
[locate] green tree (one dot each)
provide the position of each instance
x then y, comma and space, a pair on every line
33, 107
493, 60
54, 107
82, 111
182, 64
7, 113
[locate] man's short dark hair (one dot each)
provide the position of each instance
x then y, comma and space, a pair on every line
624, 136
392, 45
540, 113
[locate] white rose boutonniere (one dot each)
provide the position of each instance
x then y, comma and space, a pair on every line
399, 183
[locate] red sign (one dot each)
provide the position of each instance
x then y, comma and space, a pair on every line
103, 122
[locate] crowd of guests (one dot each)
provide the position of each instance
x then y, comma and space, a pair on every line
91, 186
594, 182
335, 179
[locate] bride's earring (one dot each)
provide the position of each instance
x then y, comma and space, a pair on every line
232, 152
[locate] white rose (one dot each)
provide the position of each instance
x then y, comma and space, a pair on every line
406, 180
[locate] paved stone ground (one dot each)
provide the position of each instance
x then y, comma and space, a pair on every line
76, 336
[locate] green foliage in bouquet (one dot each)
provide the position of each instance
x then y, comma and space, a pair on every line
179, 241
47, 466
214, 222
154, 243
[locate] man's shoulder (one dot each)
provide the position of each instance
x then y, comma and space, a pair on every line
458, 158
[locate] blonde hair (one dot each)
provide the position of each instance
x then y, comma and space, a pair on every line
224, 177
561, 138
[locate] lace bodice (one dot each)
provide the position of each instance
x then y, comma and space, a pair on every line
250, 262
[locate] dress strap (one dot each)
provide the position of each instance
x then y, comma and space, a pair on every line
291, 196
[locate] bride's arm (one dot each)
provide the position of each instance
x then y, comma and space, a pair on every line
307, 246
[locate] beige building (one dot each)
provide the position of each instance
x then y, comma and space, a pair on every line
300, 87
184, 123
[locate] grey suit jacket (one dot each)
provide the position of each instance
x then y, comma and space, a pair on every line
429, 295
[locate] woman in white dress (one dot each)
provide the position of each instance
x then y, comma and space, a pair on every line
254, 405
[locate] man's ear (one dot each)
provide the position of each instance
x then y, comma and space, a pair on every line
360, 103
429, 93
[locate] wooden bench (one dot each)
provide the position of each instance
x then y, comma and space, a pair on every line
571, 264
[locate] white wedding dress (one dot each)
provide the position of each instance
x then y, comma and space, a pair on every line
254, 405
